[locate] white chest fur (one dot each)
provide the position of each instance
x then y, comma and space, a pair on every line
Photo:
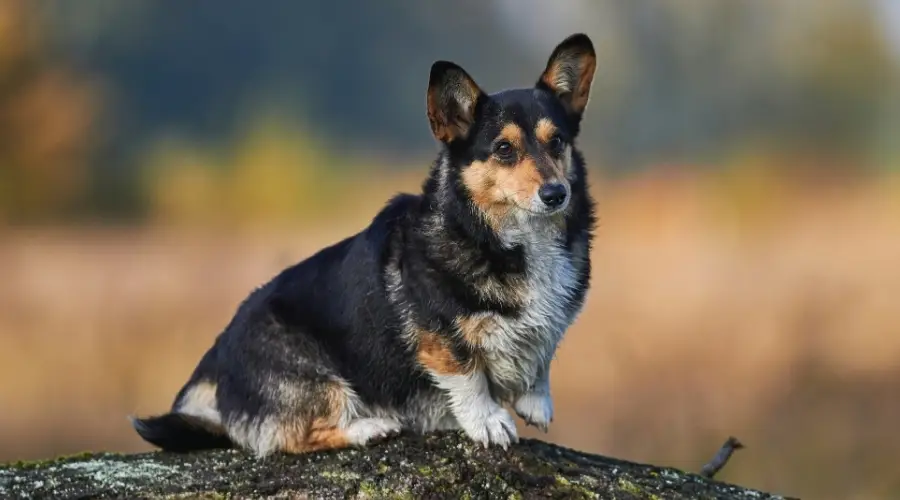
518, 349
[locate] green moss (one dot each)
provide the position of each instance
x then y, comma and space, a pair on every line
206, 495
79, 455
445, 473
33, 464
636, 489
425, 470
367, 489
23, 464
572, 489
340, 475
540, 467
630, 487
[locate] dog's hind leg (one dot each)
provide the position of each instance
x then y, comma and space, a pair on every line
357, 432
309, 415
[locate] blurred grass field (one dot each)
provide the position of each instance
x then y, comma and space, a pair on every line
730, 303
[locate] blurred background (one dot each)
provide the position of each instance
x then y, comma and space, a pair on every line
159, 159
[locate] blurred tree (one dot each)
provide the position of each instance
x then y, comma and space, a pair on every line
356, 70
46, 113
688, 81
706, 77
692, 77
268, 176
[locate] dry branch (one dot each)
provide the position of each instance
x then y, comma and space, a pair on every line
722, 456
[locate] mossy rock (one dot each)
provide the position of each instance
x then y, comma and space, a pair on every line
439, 465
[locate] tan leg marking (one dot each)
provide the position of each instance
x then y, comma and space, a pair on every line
321, 432
435, 354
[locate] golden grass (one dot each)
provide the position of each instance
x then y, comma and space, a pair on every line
773, 316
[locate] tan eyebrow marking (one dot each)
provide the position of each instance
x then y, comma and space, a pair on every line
512, 133
544, 130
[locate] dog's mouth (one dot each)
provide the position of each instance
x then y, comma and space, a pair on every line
545, 211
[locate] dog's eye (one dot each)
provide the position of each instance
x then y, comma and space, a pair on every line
504, 150
555, 144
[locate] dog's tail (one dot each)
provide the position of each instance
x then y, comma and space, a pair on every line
181, 433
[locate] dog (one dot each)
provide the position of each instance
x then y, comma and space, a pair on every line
449, 305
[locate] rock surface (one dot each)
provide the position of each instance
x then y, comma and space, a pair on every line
440, 465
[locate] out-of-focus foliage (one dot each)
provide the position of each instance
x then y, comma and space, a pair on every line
256, 181
46, 113
705, 77
696, 82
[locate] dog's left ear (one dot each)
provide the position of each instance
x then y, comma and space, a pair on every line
570, 72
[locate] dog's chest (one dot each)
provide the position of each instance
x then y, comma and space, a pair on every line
518, 348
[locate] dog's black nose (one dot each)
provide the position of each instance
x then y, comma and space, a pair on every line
553, 195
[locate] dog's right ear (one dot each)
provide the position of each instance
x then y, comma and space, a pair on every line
452, 96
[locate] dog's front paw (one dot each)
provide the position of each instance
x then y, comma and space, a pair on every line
535, 409
495, 427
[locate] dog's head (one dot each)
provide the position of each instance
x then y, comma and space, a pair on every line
513, 151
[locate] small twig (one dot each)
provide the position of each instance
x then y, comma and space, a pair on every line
724, 454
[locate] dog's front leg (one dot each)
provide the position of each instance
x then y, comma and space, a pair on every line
535, 406
477, 413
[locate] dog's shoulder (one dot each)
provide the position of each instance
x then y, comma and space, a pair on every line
397, 215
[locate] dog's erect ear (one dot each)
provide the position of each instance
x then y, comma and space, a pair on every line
570, 72
452, 96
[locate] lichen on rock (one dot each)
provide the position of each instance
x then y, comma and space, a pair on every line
438, 465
